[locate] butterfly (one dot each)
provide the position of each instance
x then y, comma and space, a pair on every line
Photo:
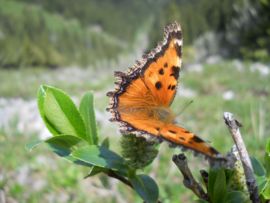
143, 95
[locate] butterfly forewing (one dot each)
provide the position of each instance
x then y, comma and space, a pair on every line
161, 73
141, 100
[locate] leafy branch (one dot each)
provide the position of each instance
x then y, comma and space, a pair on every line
234, 126
76, 139
234, 180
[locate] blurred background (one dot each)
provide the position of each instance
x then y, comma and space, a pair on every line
76, 46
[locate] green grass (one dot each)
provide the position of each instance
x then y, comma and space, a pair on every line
204, 117
250, 104
25, 82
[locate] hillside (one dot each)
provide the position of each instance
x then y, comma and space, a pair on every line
65, 32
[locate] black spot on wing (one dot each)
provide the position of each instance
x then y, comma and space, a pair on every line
197, 139
177, 35
158, 85
172, 131
173, 87
182, 138
169, 87
175, 72
213, 150
165, 65
161, 71
178, 50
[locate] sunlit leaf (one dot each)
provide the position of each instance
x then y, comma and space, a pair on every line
261, 181
266, 190
40, 99
60, 113
88, 114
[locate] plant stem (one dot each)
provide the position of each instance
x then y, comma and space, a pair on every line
204, 175
112, 174
189, 181
234, 126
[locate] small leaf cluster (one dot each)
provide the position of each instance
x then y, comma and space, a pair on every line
219, 188
138, 151
262, 172
229, 185
75, 138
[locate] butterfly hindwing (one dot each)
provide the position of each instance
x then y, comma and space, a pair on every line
169, 132
180, 136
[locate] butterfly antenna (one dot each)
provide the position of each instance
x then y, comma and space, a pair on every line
185, 107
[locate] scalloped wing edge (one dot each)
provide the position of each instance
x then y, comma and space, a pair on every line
123, 79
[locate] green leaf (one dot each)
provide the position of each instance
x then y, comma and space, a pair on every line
60, 113
266, 191
217, 186
30, 146
40, 99
88, 114
100, 156
267, 164
267, 147
146, 187
236, 197
220, 187
95, 170
257, 167
211, 182
261, 181
62, 144
267, 158
106, 143
76, 161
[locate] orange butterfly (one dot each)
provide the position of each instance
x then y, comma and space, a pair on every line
142, 96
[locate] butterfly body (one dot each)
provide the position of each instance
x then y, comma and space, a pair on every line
143, 95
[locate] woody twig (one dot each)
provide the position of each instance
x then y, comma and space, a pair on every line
234, 126
204, 175
189, 181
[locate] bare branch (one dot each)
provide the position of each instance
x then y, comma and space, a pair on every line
189, 181
205, 177
234, 126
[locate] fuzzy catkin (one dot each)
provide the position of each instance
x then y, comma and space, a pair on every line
137, 151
